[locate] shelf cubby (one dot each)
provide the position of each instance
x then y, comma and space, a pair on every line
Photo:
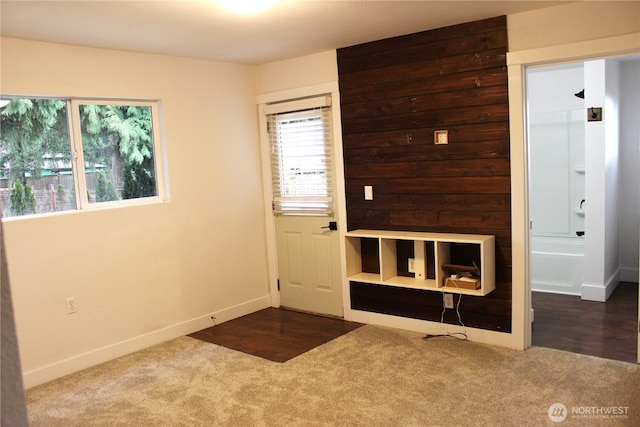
435, 257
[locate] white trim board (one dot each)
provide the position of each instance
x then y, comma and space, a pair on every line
502, 339
517, 63
297, 93
82, 361
332, 89
600, 292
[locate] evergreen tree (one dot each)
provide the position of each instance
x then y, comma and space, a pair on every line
33, 131
105, 190
22, 199
61, 196
138, 181
17, 199
117, 135
30, 199
29, 129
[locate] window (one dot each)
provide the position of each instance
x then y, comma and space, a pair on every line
300, 135
60, 155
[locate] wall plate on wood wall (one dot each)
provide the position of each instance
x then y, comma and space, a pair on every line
441, 137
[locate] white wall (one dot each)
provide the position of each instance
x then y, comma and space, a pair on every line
602, 181
614, 255
556, 120
629, 169
573, 22
556, 149
612, 171
144, 274
296, 73
552, 88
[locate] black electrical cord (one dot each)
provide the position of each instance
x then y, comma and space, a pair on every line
457, 335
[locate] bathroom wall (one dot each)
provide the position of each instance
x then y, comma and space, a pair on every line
629, 168
556, 177
612, 198
556, 150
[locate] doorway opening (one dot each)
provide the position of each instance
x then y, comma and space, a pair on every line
584, 205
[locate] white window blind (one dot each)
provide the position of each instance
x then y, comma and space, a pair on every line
301, 169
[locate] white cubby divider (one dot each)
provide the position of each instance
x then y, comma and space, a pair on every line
443, 257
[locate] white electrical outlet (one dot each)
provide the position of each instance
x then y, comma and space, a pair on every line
71, 305
448, 300
411, 266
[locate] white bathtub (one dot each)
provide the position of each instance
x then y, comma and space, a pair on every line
557, 264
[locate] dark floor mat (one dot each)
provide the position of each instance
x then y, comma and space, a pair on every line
276, 334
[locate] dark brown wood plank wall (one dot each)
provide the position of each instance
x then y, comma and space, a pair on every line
394, 94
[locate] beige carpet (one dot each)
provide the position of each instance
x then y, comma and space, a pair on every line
372, 376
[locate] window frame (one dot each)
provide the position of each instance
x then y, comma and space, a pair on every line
77, 159
75, 135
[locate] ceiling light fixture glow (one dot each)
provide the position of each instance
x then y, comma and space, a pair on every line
246, 7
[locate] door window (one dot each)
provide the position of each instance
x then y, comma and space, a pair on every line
301, 161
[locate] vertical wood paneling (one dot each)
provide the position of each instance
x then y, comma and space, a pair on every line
394, 94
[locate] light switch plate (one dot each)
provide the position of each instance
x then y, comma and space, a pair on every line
368, 192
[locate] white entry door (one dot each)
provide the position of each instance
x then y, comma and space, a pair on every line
309, 264
304, 205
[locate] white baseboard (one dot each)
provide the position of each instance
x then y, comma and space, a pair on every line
600, 292
501, 339
82, 361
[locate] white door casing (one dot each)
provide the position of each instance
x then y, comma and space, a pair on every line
293, 235
517, 63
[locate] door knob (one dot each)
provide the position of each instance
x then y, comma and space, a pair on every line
333, 226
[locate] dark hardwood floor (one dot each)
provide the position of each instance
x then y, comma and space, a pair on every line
563, 322
608, 330
276, 334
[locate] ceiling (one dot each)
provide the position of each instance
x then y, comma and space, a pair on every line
202, 29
